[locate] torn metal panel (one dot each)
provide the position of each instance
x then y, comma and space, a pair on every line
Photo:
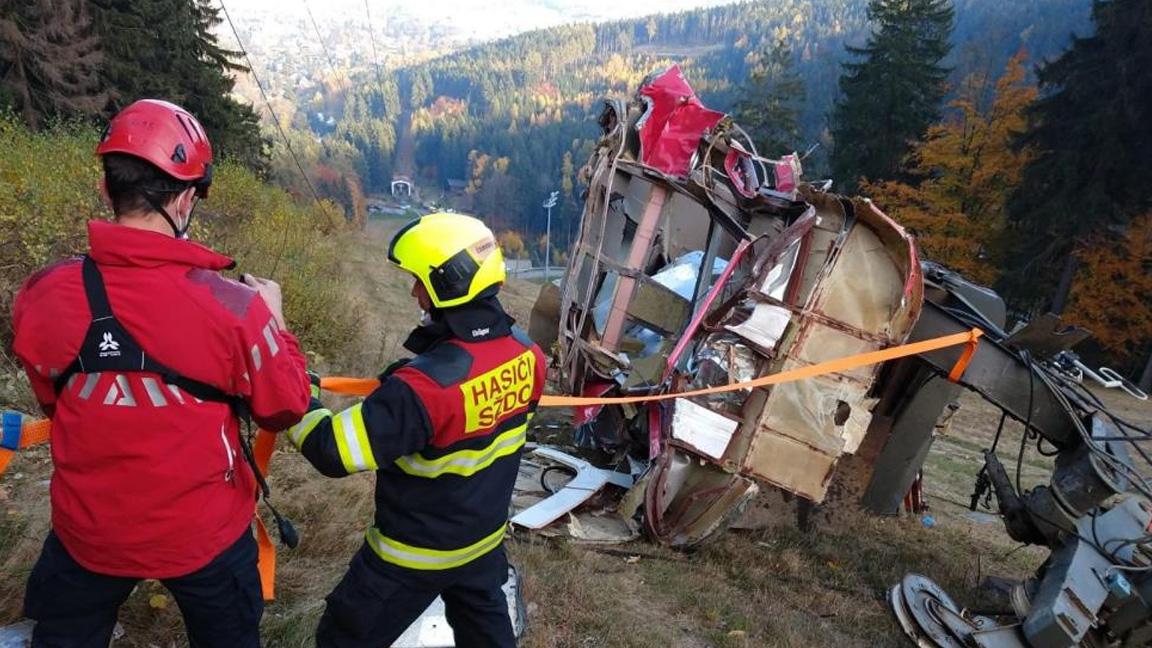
761, 324
542, 324
604, 518
671, 127
805, 308
659, 307
690, 501
1046, 336
589, 479
700, 429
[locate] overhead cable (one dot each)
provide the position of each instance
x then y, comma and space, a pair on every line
279, 128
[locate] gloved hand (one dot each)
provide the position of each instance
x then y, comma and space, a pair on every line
393, 368
314, 379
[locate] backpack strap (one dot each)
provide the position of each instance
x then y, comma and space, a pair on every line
108, 346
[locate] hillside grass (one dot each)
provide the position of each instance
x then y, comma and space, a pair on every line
776, 587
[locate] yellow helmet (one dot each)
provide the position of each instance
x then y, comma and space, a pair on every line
455, 256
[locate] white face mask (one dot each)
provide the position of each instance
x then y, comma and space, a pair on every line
425, 318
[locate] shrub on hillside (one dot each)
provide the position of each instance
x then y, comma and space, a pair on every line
48, 191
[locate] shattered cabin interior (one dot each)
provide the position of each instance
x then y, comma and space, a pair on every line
701, 263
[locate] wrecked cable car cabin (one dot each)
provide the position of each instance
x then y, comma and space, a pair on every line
701, 263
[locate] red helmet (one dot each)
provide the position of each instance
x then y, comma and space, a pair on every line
164, 134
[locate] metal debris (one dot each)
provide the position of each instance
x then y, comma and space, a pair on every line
431, 630
1093, 515
699, 263
589, 479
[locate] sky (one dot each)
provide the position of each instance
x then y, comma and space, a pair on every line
474, 19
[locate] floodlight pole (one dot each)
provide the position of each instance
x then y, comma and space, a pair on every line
549, 204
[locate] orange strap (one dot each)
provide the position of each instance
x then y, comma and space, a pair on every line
364, 386
31, 433
266, 554
349, 386
35, 432
965, 359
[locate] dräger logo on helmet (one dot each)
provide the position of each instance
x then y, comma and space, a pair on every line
484, 247
491, 396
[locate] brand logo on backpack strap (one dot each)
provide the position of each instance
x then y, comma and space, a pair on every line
109, 348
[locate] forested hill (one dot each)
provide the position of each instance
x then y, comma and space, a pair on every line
512, 118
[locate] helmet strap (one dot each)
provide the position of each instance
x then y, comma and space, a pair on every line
157, 204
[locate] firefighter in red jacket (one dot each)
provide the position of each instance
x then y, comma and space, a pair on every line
142, 354
444, 434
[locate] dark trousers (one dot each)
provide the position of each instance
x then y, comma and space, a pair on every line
75, 608
375, 602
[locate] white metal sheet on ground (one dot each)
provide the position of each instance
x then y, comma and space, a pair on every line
431, 630
17, 635
589, 479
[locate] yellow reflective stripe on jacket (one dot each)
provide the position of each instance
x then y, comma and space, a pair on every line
405, 555
299, 432
352, 440
465, 462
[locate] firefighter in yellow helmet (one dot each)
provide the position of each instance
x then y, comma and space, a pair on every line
444, 433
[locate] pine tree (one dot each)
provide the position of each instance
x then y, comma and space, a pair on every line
49, 60
891, 96
1093, 130
770, 103
167, 49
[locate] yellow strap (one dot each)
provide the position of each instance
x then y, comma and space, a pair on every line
964, 360
365, 386
36, 432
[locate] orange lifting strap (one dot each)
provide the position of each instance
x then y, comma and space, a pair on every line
365, 386
35, 432
266, 557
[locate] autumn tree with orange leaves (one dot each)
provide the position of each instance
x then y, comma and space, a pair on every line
1110, 296
962, 173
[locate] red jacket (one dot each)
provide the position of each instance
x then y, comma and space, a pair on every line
148, 481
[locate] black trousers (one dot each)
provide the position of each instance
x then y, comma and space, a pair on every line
75, 608
375, 602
